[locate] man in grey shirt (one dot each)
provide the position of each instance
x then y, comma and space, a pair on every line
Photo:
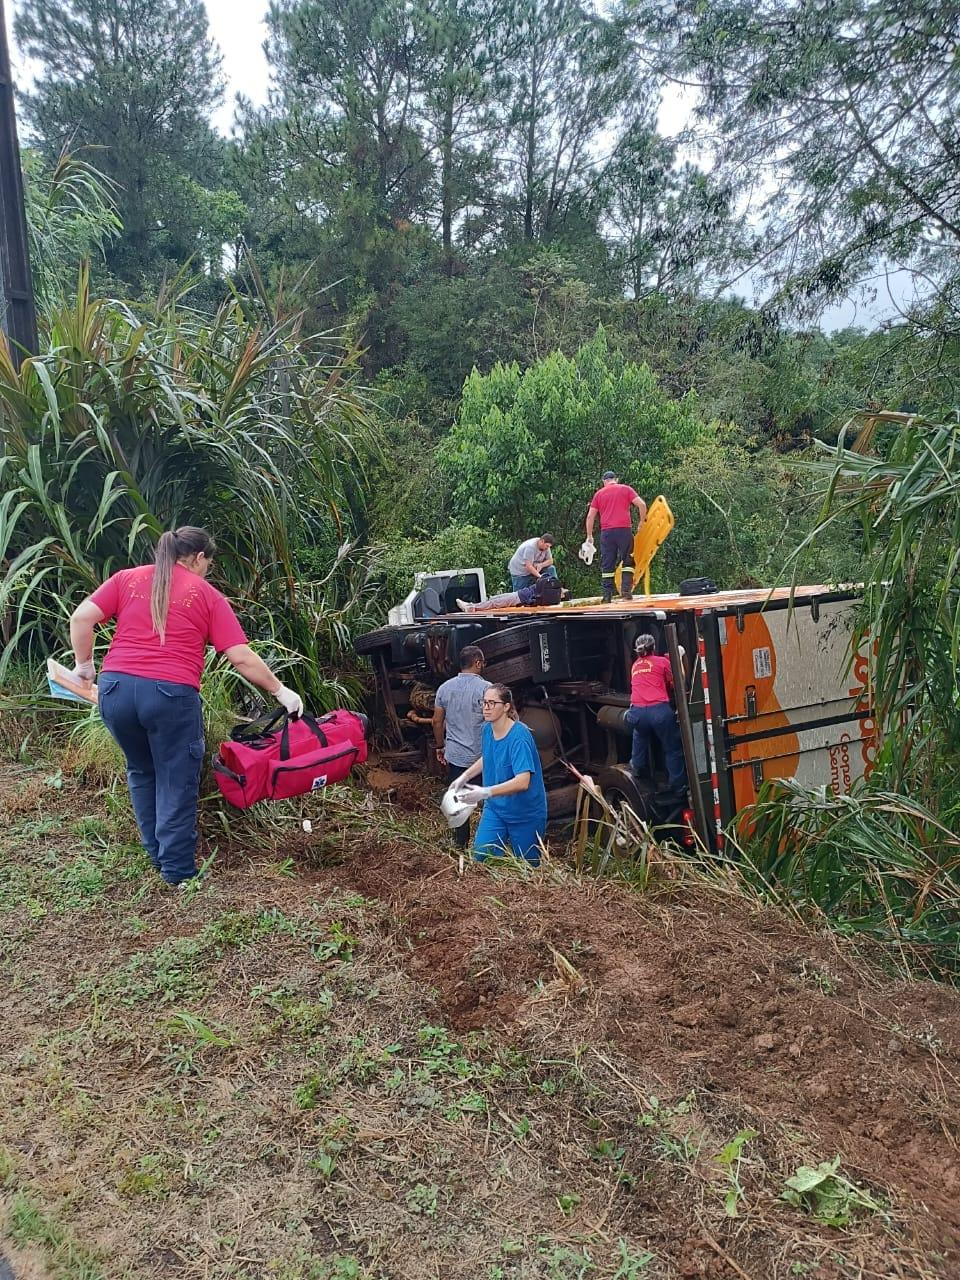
457, 721
533, 559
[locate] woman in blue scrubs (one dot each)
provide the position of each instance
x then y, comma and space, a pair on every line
514, 799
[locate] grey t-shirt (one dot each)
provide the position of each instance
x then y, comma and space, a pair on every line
461, 699
527, 551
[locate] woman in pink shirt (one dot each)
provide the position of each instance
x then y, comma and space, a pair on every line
651, 715
149, 688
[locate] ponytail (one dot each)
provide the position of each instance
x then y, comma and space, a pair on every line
188, 540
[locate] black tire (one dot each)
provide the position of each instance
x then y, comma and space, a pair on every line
510, 670
498, 644
618, 799
373, 640
620, 787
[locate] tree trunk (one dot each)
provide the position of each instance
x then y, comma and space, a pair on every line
531, 156
446, 177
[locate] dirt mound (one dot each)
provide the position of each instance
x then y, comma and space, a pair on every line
703, 991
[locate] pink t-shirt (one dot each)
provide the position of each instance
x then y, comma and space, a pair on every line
613, 502
199, 615
651, 680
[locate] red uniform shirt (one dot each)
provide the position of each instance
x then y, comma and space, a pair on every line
613, 502
651, 681
199, 615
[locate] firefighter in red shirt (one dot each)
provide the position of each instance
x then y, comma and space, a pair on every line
651, 715
614, 503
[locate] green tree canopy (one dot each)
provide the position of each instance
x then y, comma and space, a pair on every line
843, 116
136, 80
528, 449
673, 222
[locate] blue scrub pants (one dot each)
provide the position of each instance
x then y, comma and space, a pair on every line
528, 579
659, 721
158, 726
497, 835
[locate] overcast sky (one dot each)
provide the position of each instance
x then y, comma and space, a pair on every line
238, 28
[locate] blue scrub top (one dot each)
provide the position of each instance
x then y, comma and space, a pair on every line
503, 759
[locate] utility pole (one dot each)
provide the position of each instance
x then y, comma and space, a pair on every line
18, 318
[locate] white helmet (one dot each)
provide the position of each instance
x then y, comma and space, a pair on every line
455, 810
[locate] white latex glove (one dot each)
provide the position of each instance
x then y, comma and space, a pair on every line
471, 794
291, 702
85, 671
587, 551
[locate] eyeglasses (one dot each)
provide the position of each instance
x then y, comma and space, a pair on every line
493, 702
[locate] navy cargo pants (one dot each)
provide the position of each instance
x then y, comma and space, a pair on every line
158, 726
657, 721
616, 547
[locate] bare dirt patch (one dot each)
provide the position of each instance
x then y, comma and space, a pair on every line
701, 990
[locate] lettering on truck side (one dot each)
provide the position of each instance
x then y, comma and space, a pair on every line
544, 653
840, 766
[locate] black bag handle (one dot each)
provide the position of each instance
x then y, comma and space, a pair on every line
311, 724
260, 728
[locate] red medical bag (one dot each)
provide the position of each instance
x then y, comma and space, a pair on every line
282, 758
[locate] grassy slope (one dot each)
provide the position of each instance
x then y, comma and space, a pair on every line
340, 1058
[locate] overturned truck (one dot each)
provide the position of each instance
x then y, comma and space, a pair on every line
767, 683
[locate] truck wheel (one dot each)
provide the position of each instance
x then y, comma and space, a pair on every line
498, 644
620, 788
510, 670
373, 640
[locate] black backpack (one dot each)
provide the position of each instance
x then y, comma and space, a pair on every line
698, 587
548, 591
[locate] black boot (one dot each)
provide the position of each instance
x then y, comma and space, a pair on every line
626, 584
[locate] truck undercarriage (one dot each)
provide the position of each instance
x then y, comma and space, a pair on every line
771, 687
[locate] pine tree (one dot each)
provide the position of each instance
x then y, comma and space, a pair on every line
575, 77
134, 80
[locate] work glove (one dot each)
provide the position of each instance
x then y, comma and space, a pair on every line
587, 551
85, 671
291, 701
471, 794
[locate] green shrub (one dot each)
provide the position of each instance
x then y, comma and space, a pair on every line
126, 425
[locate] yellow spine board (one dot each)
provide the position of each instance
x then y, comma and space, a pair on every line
647, 541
